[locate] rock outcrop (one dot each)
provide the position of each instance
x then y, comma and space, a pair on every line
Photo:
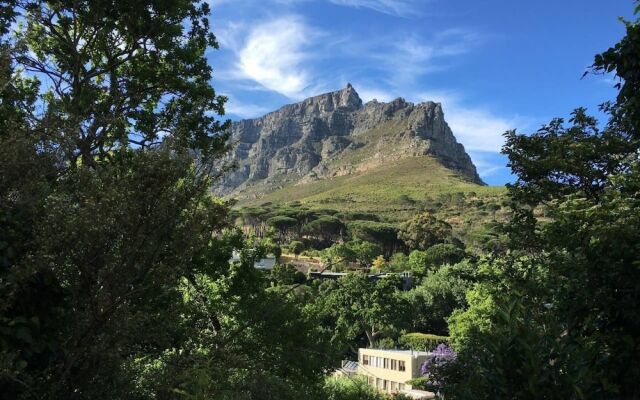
336, 134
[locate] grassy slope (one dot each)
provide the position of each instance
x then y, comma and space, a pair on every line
397, 191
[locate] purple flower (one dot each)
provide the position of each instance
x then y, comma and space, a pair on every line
438, 357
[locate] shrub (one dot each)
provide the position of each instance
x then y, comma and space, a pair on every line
421, 341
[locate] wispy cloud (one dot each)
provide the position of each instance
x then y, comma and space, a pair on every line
274, 55
398, 8
241, 109
402, 8
405, 59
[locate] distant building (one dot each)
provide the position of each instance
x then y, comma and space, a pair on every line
407, 280
389, 370
264, 263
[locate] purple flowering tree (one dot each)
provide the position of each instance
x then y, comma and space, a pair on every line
438, 358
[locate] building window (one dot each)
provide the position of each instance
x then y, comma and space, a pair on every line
394, 364
394, 386
385, 363
371, 380
401, 386
385, 384
401, 366
365, 359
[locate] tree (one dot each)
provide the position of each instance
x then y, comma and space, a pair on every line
296, 247
443, 253
383, 234
398, 262
558, 316
424, 231
282, 224
379, 264
115, 278
355, 251
439, 294
326, 228
360, 305
418, 262
285, 274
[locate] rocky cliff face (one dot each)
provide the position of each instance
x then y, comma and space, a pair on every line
335, 134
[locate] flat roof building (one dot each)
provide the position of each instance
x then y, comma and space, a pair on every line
390, 370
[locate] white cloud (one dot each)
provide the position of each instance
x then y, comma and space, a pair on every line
489, 164
401, 8
244, 110
274, 54
478, 129
367, 94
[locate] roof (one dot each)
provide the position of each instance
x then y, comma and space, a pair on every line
397, 351
350, 365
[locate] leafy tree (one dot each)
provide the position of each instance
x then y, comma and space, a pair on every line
421, 341
351, 388
360, 305
282, 224
383, 234
355, 251
558, 316
443, 253
379, 264
364, 252
424, 231
296, 247
440, 293
326, 228
285, 274
398, 262
115, 278
418, 262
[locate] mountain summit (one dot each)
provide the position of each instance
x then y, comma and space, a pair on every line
335, 134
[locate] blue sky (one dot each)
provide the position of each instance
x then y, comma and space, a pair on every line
494, 64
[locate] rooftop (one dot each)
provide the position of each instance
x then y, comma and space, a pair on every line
397, 351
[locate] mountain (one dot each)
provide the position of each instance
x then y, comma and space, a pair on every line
333, 137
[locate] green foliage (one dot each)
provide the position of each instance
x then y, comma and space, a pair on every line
439, 294
424, 231
115, 279
355, 251
421, 341
285, 274
418, 262
351, 388
398, 262
443, 253
383, 234
359, 305
327, 228
282, 223
296, 247
555, 317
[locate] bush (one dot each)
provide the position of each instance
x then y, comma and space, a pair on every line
355, 388
443, 253
421, 341
285, 274
296, 247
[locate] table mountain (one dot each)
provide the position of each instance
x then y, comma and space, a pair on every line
334, 135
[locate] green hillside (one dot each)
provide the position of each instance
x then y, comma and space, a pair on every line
398, 190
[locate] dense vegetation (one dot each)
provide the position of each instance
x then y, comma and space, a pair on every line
396, 192
122, 277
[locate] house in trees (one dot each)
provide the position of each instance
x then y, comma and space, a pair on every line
389, 370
